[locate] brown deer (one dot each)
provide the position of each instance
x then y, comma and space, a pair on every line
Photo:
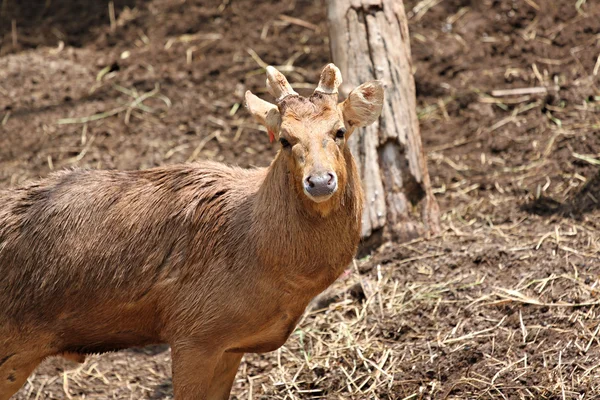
216, 261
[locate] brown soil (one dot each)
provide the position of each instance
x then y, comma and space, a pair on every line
502, 305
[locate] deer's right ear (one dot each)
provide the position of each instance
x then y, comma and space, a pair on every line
264, 113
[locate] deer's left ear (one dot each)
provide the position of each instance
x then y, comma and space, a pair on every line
264, 113
363, 106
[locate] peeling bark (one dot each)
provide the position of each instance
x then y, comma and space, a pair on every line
369, 40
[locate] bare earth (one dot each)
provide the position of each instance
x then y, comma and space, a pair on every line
504, 304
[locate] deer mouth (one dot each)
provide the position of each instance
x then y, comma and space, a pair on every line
318, 198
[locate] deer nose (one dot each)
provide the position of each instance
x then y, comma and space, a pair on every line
320, 185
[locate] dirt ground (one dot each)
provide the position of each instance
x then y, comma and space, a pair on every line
504, 304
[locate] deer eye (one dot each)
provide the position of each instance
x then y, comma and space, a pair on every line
284, 142
340, 133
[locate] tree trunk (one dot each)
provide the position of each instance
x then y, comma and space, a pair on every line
369, 40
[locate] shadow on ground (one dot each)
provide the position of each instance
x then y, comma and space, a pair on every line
150, 350
584, 201
163, 391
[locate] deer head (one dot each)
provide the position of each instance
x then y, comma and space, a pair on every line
314, 131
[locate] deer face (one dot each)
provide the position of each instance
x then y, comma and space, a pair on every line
313, 132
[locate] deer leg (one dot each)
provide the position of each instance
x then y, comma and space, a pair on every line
14, 371
224, 375
193, 370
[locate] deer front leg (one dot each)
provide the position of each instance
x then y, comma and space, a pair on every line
201, 372
193, 369
224, 376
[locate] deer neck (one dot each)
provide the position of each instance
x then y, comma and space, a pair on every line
299, 241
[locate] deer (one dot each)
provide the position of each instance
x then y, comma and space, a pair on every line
214, 260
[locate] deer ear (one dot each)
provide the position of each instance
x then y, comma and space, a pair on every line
363, 105
264, 113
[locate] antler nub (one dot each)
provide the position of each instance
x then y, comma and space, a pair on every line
331, 79
278, 85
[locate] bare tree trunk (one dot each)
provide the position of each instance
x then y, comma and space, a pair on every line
369, 40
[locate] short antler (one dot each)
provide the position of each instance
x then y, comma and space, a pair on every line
331, 79
278, 85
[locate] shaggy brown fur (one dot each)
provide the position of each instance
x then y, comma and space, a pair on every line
214, 260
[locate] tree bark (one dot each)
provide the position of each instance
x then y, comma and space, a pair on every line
370, 40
